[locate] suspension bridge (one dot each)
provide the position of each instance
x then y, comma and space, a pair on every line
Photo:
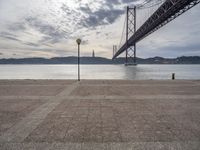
157, 14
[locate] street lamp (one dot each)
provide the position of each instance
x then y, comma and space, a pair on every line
78, 41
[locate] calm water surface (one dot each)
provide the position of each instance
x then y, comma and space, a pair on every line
138, 72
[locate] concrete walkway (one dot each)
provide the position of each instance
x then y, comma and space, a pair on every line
99, 114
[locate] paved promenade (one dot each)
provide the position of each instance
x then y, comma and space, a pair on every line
99, 115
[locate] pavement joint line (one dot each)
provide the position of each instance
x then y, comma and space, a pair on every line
39, 85
22, 129
140, 85
194, 145
190, 138
97, 97
26, 97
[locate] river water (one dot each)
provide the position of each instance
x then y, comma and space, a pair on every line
139, 72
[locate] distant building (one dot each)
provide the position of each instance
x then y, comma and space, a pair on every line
93, 54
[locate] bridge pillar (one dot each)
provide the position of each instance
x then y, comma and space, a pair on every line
130, 30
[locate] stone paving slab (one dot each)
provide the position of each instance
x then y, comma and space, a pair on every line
135, 90
137, 82
31, 90
136, 120
22, 129
103, 146
36, 82
13, 111
99, 114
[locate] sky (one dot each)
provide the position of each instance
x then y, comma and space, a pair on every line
49, 28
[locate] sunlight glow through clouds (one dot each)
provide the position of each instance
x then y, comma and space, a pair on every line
48, 28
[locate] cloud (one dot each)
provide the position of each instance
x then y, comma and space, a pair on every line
181, 49
9, 36
114, 2
48, 27
86, 9
16, 27
51, 33
129, 1
85, 42
101, 17
32, 44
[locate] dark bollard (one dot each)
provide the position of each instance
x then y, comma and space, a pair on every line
173, 76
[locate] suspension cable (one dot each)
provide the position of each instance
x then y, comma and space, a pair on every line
122, 32
143, 5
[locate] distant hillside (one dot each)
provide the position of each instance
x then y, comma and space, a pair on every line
101, 60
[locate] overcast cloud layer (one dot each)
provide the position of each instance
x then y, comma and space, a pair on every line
49, 28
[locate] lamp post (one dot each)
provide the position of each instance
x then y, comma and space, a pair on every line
78, 41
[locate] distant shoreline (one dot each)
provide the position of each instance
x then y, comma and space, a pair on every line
92, 64
100, 60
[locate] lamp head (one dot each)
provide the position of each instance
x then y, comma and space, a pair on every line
78, 41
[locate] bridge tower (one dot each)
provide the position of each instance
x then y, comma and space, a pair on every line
130, 30
114, 49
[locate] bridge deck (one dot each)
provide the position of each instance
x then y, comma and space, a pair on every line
167, 12
99, 114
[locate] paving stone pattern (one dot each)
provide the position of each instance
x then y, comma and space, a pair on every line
99, 114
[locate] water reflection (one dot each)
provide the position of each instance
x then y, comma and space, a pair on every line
139, 72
